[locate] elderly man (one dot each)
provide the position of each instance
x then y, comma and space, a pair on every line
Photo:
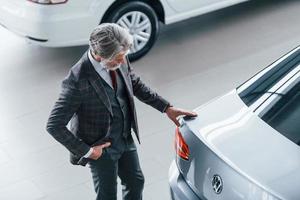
97, 96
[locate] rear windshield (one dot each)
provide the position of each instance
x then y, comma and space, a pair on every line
284, 114
261, 83
274, 95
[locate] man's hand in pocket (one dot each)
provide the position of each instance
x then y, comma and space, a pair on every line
98, 150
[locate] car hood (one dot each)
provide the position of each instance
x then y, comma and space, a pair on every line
249, 145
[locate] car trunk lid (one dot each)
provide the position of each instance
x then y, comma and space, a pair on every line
252, 158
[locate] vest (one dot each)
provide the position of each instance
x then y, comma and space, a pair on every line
120, 132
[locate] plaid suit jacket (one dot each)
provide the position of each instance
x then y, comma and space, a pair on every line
84, 101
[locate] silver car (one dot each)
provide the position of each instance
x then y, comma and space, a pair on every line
245, 144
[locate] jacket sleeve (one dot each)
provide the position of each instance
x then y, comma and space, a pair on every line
146, 94
67, 104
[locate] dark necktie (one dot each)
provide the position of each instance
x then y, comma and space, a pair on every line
113, 75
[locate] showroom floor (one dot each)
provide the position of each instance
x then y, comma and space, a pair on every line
192, 62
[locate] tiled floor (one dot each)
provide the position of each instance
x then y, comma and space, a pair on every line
192, 62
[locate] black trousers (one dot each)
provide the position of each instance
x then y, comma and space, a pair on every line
105, 171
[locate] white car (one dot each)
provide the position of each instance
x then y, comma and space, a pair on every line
244, 145
59, 23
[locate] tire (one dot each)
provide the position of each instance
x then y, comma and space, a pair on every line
144, 31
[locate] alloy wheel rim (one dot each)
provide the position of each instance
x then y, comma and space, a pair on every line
139, 26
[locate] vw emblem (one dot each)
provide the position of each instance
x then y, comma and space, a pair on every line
217, 184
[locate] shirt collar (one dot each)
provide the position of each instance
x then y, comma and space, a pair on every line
97, 65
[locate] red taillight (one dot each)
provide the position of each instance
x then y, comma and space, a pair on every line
181, 148
48, 1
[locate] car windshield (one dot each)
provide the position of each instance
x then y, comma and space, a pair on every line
274, 95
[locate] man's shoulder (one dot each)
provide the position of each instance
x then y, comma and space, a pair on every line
77, 75
78, 70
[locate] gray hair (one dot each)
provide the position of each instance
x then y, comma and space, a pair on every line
109, 39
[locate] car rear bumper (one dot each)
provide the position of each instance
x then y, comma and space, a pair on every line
179, 189
48, 25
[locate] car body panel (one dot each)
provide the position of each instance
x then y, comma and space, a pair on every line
60, 25
179, 188
187, 10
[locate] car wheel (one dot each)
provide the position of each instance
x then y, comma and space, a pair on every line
141, 21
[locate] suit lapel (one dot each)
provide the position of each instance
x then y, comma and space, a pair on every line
126, 81
95, 80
